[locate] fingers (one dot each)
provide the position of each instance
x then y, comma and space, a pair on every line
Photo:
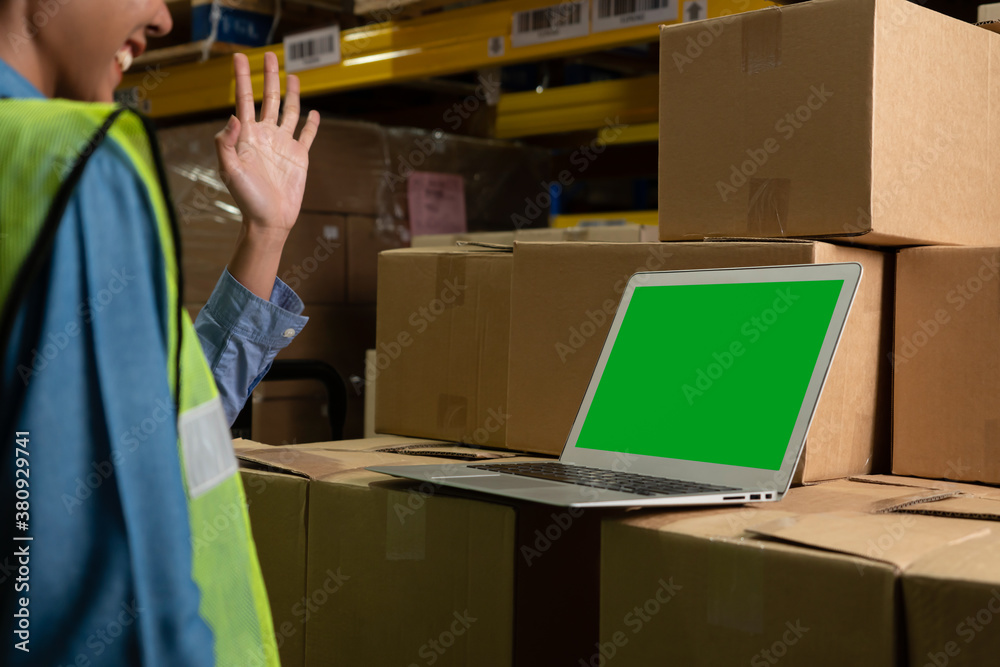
290, 116
244, 88
272, 89
225, 140
310, 129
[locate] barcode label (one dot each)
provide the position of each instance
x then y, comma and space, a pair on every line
316, 48
614, 14
549, 24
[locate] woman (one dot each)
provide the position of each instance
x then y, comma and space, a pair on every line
130, 543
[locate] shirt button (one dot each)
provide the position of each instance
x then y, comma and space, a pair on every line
288, 333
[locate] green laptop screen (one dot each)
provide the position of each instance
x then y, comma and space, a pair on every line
711, 373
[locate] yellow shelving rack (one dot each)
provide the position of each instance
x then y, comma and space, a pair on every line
631, 102
440, 44
577, 219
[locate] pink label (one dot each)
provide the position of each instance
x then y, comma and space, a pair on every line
436, 202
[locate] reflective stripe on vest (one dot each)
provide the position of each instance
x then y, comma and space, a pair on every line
233, 602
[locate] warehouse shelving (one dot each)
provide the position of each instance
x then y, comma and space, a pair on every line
581, 107
445, 43
577, 219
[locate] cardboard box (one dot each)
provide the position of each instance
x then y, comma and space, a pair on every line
442, 338
277, 506
370, 378
596, 233
946, 364
459, 580
293, 418
813, 580
830, 118
564, 297
338, 335
314, 260
364, 242
952, 596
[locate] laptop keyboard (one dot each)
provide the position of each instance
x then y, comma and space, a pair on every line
627, 482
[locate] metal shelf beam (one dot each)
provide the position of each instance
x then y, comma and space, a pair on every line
435, 45
582, 107
576, 219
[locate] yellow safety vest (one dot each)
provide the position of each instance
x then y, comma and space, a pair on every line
224, 561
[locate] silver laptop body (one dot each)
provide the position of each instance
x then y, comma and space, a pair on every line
729, 353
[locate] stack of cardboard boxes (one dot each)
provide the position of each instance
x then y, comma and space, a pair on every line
828, 131
367, 187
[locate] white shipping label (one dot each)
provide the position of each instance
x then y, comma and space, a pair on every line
549, 24
315, 48
207, 446
614, 14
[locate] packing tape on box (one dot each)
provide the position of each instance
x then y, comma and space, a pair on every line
735, 579
406, 525
767, 207
761, 41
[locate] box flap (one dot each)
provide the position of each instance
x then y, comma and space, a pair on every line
317, 464
446, 450
977, 490
962, 507
892, 539
834, 496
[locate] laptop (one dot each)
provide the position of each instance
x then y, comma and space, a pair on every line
703, 393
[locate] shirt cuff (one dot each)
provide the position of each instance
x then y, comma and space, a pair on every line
273, 323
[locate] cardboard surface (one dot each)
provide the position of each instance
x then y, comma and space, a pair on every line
946, 364
286, 420
314, 259
952, 602
442, 344
830, 118
277, 507
564, 297
596, 233
811, 580
337, 335
397, 570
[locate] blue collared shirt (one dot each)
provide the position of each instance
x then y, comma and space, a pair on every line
111, 550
